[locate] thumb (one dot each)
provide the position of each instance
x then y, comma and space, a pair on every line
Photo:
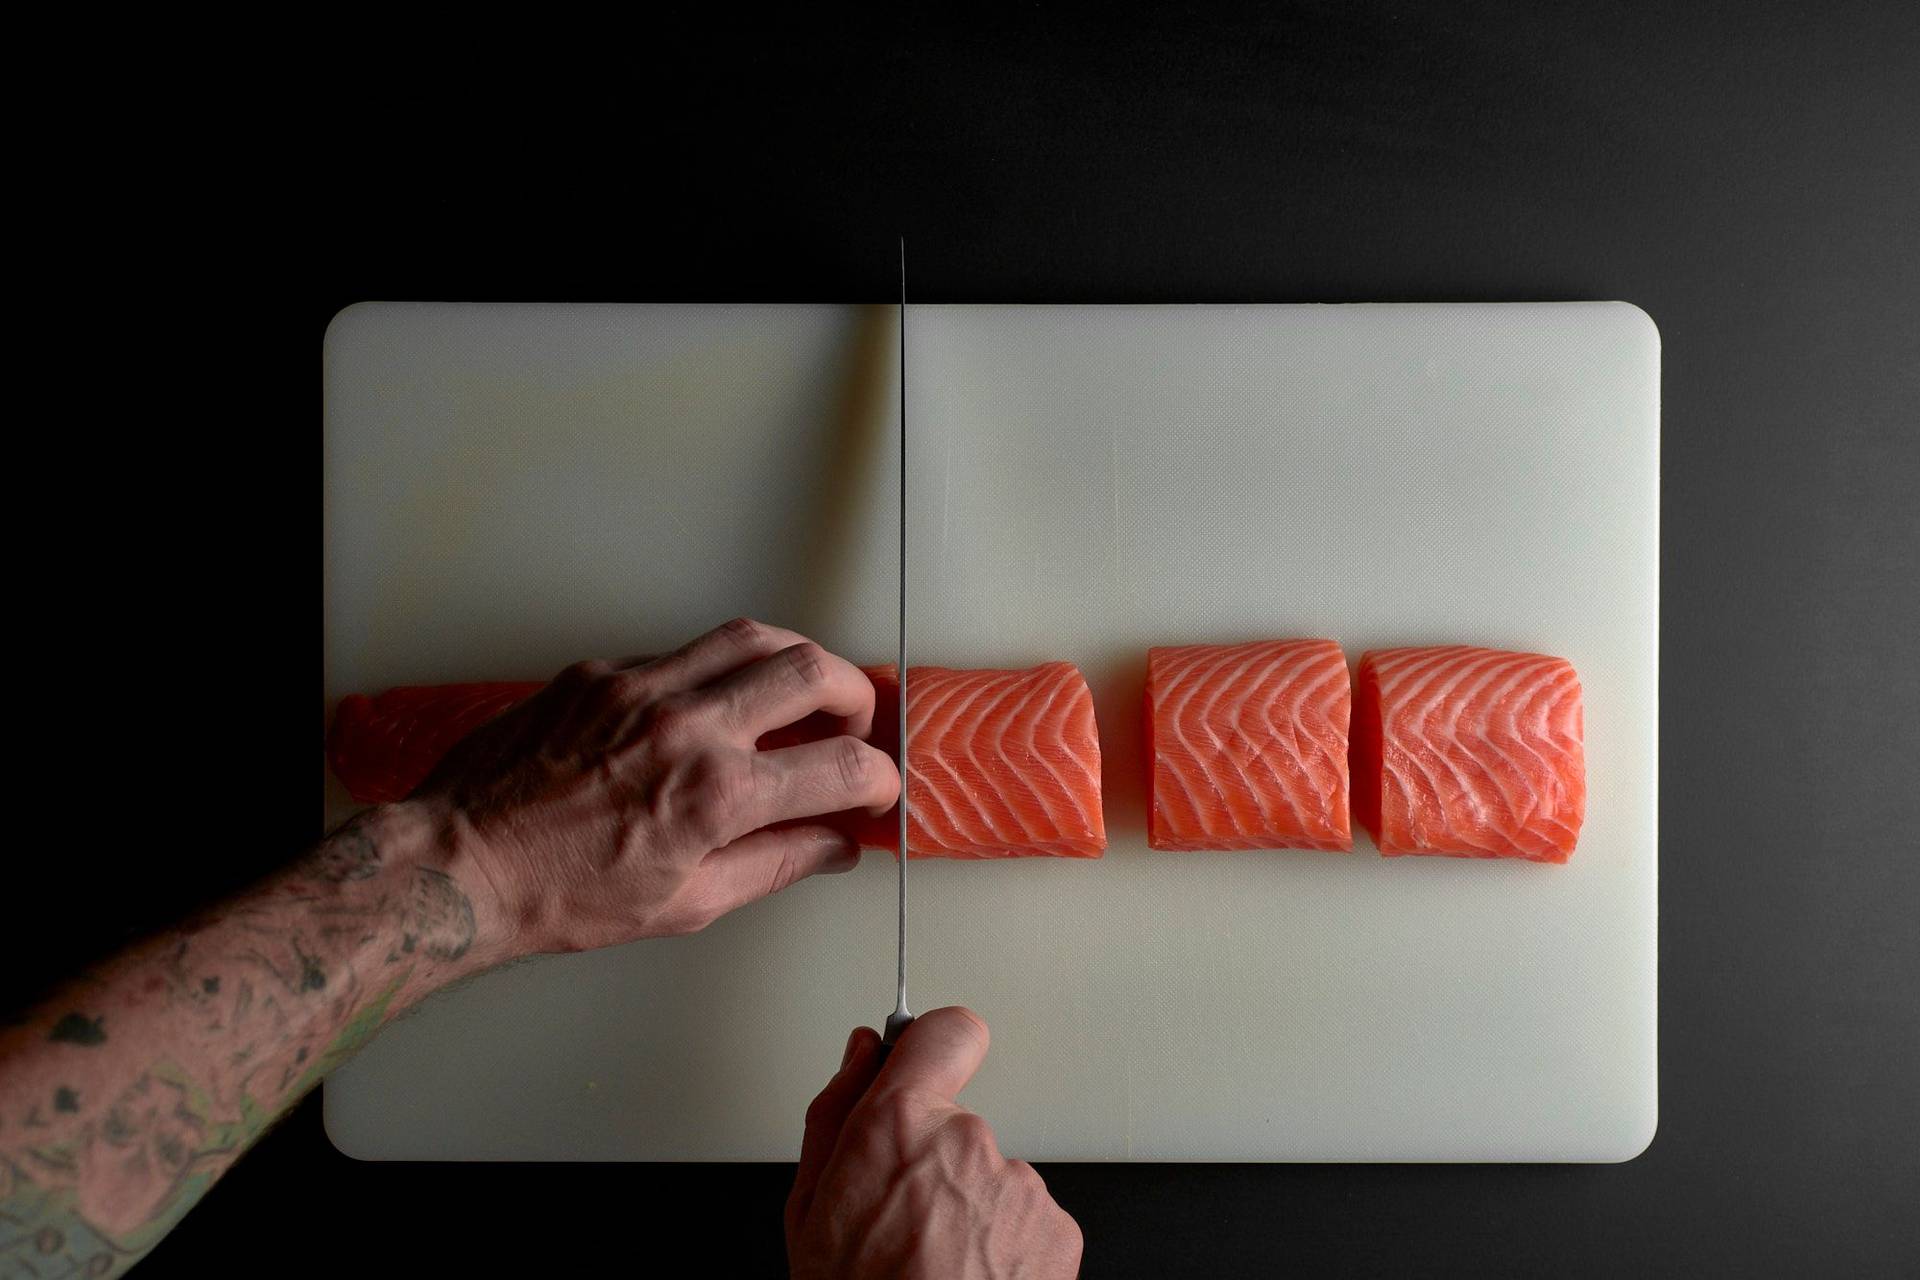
938, 1054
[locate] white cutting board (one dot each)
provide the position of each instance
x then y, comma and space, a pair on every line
511, 488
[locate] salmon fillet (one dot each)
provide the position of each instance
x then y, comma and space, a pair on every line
1469, 753
1248, 746
382, 748
1004, 763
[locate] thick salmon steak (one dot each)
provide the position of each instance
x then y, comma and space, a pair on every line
1002, 764
1469, 753
1248, 746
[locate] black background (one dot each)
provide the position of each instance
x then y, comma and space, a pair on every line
1748, 174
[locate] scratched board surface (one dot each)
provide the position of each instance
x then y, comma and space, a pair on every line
511, 488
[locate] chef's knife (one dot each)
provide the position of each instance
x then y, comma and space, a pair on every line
898, 1020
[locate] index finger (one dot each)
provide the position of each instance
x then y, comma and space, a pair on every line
790, 685
938, 1054
726, 648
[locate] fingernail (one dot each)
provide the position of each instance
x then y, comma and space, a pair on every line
853, 1042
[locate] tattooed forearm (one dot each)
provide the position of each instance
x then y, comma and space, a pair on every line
123, 1099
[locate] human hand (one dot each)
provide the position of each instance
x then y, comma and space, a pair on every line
628, 799
896, 1179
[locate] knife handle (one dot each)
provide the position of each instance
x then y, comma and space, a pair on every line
896, 1025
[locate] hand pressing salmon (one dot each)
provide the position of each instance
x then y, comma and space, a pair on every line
1004, 763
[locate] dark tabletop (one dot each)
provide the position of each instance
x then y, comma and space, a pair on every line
1748, 174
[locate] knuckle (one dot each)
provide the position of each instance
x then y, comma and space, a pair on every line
718, 786
626, 688
684, 922
690, 910
784, 874
729, 779
701, 821
807, 662
581, 674
1031, 1186
742, 631
673, 719
976, 1027
857, 765
973, 1132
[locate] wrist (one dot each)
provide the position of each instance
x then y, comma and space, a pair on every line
435, 850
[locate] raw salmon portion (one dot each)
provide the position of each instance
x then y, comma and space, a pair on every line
384, 747
1004, 763
1001, 764
1249, 746
1470, 753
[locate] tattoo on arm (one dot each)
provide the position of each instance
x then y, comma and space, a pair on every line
349, 854
78, 1028
439, 916
139, 1091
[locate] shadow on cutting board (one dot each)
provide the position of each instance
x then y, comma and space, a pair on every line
847, 481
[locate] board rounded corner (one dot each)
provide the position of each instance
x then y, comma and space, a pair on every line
1638, 1141
343, 324
341, 1142
1640, 322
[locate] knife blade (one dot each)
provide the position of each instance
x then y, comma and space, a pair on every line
901, 1017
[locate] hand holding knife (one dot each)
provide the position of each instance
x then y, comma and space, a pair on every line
860, 1230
